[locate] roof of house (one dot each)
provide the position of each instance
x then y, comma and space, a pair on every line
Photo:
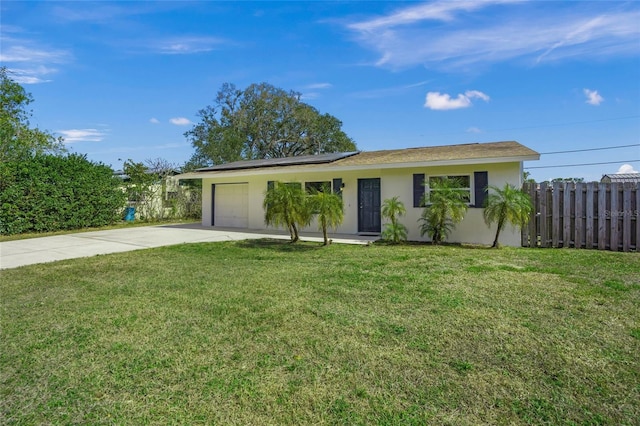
277, 162
440, 153
435, 155
622, 177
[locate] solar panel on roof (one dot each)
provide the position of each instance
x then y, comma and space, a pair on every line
276, 162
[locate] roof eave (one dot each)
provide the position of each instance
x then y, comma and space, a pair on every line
338, 167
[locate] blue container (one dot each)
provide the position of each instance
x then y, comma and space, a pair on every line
130, 214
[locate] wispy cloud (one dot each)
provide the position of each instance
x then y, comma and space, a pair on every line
443, 101
180, 121
474, 130
315, 86
435, 11
82, 135
311, 91
154, 120
593, 97
32, 75
187, 45
106, 12
626, 168
18, 51
30, 61
387, 91
460, 34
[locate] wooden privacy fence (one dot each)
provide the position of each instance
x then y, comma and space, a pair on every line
603, 216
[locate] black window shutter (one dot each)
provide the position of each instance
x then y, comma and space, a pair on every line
337, 186
418, 189
270, 184
480, 184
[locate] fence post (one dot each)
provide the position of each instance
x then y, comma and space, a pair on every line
535, 214
567, 189
614, 218
636, 213
579, 216
626, 218
602, 216
524, 231
555, 214
544, 220
591, 189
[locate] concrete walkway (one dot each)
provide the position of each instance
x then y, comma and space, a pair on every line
86, 244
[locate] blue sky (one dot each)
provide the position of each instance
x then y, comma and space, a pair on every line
124, 80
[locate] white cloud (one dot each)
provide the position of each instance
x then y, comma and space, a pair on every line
463, 34
187, 45
154, 120
180, 121
626, 168
313, 94
310, 95
474, 130
30, 62
18, 52
443, 101
31, 75
435, 11
316, 86
82, 135
388, 91
593, 97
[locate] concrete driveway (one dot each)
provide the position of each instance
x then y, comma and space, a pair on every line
86, 244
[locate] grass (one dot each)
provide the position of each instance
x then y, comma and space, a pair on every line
266, 332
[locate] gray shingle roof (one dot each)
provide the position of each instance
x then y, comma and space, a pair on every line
621, 177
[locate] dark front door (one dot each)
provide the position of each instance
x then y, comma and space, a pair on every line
369, 205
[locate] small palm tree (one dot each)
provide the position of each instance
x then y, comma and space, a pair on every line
446, 206
508, 204
285, 204
392, 209
328, 208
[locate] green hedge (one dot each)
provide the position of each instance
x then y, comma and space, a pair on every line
50, 193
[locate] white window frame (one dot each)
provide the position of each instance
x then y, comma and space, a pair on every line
470, 188
322, 182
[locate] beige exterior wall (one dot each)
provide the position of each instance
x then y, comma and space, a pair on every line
393, 182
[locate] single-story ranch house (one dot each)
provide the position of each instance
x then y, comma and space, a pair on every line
232, 193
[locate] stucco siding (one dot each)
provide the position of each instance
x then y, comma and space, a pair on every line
393, 182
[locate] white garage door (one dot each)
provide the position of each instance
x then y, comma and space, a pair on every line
231, 205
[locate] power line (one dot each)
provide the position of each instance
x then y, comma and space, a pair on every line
584, 164
567, 124
590, 149
541, 126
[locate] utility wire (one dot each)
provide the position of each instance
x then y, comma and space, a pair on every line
565, 124
584, 164
590, 149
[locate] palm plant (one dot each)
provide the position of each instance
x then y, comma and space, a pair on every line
446, 205
392, 209
285, 204
507, 205
328, 208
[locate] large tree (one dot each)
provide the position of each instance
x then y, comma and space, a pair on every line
263, 121
17, 138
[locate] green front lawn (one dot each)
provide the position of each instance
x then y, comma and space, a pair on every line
267, 332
